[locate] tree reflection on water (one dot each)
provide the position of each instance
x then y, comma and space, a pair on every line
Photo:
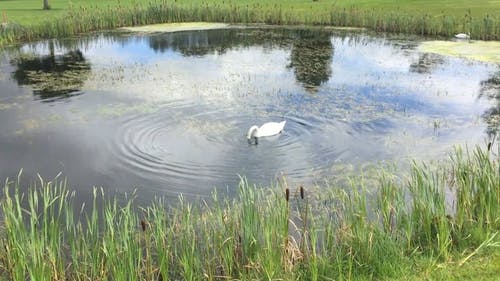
310, 58
427, 63
52, 76
490, 88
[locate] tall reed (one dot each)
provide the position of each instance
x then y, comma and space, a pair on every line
447, 212
80, 20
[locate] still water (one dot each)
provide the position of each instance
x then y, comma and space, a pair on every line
168, 113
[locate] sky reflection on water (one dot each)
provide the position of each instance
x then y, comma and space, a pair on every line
168, 113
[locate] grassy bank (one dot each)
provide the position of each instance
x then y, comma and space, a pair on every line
442, 18
442, 222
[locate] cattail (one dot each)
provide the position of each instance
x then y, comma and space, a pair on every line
287, 194
392, 220
301, 192
143, 225
224, 218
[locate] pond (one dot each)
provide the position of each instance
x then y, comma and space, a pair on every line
168, 113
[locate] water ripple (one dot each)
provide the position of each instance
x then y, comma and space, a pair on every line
192, 146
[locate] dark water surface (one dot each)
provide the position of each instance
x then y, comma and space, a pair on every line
168, 113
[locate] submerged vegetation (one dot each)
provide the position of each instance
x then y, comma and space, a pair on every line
439, 217
83, 19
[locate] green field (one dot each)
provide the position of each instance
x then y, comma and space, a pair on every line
29, 11
26, 21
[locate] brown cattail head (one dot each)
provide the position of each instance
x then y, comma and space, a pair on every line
392, 220
489, 146
301, 192
287, 194
143, 225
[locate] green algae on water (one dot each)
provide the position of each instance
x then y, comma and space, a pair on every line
486, 51
175, 27
117, 110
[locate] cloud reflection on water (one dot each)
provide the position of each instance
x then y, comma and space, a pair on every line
168, 112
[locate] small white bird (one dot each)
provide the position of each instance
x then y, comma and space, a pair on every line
462, 36
267, 129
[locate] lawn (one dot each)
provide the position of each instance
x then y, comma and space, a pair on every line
30, 11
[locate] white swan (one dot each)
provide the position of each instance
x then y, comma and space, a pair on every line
267, 129
462, 36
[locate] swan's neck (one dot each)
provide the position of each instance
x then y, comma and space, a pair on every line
252, 132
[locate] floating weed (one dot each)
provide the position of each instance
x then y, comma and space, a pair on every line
174, 27
487, 51
6, 106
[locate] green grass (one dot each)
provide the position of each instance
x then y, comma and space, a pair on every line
395, 229
482, 267
30, 11
29, 22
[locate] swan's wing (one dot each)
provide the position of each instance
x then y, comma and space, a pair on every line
271, 128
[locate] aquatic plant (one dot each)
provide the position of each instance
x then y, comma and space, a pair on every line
359, 231
80, 20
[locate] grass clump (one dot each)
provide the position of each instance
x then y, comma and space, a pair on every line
87, 18
438, 219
